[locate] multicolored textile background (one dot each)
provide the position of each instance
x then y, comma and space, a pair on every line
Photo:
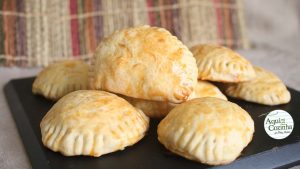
39, 32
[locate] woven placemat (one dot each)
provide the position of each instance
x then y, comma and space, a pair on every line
39, 32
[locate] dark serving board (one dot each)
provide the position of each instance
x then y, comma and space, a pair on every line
263, 152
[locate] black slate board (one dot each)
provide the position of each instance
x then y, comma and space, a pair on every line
262, 152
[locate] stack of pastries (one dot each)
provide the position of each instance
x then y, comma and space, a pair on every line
144, 72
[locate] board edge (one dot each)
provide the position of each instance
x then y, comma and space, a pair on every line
26, 133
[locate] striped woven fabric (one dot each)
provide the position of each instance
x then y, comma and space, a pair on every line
38, 32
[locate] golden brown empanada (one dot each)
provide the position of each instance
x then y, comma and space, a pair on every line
92, 123
61, 78
209, 130
266, 89
144, 62
221, 64
159, 109
153, 109
206, 89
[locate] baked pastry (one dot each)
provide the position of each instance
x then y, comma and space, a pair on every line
209, 130
144, 62
266, 89
153, 109
221, 64
158, 109
206, 89
92, 123
61, 78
